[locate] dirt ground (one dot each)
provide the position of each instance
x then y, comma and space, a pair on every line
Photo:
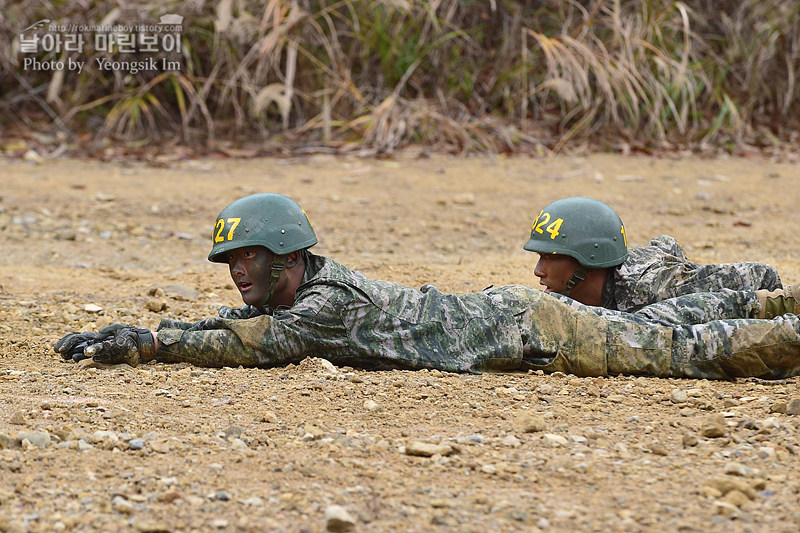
313, 447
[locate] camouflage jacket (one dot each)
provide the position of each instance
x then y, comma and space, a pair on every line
662, 270
341, 315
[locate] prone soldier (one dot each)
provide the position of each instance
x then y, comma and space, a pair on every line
584, 254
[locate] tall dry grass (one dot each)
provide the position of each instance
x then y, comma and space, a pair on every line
478, 75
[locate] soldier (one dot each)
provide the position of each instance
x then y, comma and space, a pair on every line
298, 304
584, 254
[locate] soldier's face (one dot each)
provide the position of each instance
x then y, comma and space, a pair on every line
250, 271
555, 270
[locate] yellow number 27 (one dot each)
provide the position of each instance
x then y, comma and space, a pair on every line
220, 227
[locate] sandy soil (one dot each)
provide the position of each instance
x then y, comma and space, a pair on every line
180, 448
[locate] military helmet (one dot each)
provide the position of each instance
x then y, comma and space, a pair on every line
264, 219
583, 228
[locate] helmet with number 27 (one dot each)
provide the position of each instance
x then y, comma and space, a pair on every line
265, 219
583, 228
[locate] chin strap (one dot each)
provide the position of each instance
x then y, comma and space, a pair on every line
577, 277
278, 264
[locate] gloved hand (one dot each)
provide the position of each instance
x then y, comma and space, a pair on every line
129, 345
72, 345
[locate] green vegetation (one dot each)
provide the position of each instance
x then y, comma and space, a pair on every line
470, 75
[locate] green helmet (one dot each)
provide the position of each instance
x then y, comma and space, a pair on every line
583, 228
270, 220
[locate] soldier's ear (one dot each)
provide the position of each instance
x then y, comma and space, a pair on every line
292, 259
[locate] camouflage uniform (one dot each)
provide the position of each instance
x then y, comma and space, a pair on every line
343, 316
662, 270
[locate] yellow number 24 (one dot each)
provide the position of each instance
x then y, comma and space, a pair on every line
542, 219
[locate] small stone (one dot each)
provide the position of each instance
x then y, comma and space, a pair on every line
169, 496
427, 449
156, 305
726, 509
737, 469
269, 417
148, 526
371, 405
727, 484
40, 439
18, 418
121, 505
106, 440
136, 444
793, 407
778, 407
328, 366
713, 426
736, 498
466, 198
255, 501
338, 520
92, 308
511, 441
529, 423
678, 396
656, 448
554, 440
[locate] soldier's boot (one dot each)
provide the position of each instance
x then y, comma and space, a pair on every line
779, 302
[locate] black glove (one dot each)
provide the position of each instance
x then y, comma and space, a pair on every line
72, 345
129, 345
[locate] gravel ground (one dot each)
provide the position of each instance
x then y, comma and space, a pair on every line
312, 447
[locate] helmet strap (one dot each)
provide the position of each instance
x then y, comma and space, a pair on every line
577, 277
278, 264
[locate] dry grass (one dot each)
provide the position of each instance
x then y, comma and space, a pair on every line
374, 76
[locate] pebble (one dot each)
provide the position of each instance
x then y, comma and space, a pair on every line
554, 440
106, 440
18, 418
529, 423
328, 366
726, 509
511, 441
737, 469
136, 444
122, 505
40, 439
726, 484
371, 405
656, 448
269, 417
338, 519
736, 498
713, 426
678, 396
427, 449
793, 407
156, 305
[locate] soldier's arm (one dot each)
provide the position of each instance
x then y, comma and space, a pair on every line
287, 337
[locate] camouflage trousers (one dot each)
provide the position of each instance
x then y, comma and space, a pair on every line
560, 334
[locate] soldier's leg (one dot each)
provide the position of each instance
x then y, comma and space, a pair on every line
779, 302
768, 349
561, 334
591, 341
